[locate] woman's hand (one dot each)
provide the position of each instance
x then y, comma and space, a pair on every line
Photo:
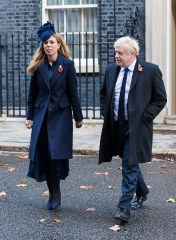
79, 124
29, 124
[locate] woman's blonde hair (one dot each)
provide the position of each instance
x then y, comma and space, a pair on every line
39, 55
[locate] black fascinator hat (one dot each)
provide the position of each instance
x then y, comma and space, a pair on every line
46, 31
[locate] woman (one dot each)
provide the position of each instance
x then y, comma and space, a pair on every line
52, 97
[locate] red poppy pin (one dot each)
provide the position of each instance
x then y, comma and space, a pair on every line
140, 68
60, 68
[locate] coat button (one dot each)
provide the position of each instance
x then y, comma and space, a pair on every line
50, 109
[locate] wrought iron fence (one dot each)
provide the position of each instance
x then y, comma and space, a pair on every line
89, 56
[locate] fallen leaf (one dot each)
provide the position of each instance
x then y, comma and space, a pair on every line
4, 154
10, 169
162, 172
115, 228
150, 172
42, 220
101, 173
87, 187
22, 156
23, 180
21, 185
111, 187
163, 166
46, 193
2, 194
2, 164
90, 210
171, 200
56, 220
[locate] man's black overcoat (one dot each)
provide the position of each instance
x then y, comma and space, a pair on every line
147, 97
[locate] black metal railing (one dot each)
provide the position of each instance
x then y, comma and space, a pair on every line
16, 52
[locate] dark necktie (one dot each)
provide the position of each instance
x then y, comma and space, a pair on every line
121, 112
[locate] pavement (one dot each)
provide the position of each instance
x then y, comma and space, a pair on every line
14, 136
89, 198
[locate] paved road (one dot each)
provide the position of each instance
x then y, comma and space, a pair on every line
22, 208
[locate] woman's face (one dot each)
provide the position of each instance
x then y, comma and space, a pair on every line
51, 46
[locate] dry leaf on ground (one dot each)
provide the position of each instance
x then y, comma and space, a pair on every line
4, 154
42, 220
87, 187
2, 164
171, 200
56, 220
46, 193
10, 169
101, 173
111, 187
22, 156
119, 168
21, 185
90, 210
2, 193
163, 166
115, 228
23, 180
150, 172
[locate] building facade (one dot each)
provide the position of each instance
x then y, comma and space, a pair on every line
90, 27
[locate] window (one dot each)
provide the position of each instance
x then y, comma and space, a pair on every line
76, 21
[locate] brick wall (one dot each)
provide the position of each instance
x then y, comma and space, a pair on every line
20, 16
112, 17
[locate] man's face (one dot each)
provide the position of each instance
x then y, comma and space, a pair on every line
123, 57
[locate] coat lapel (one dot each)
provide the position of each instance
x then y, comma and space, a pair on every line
56, 73
136, 74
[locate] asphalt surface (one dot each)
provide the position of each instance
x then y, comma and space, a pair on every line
23, 213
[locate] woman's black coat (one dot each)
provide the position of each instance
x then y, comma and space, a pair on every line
57, 98
147, 97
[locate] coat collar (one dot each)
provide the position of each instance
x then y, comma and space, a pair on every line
43, 69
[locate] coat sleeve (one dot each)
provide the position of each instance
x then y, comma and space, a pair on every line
103, 92
33, 89
159, 97
73, 92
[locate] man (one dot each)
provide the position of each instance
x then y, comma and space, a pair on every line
132, 95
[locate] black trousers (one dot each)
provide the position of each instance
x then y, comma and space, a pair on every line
132, 179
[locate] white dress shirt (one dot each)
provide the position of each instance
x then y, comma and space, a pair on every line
127, 89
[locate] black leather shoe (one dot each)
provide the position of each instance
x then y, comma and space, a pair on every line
123, 215
138, 202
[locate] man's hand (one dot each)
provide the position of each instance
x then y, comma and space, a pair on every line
79, 124
29, 124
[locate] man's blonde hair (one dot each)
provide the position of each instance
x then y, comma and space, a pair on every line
130, 44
